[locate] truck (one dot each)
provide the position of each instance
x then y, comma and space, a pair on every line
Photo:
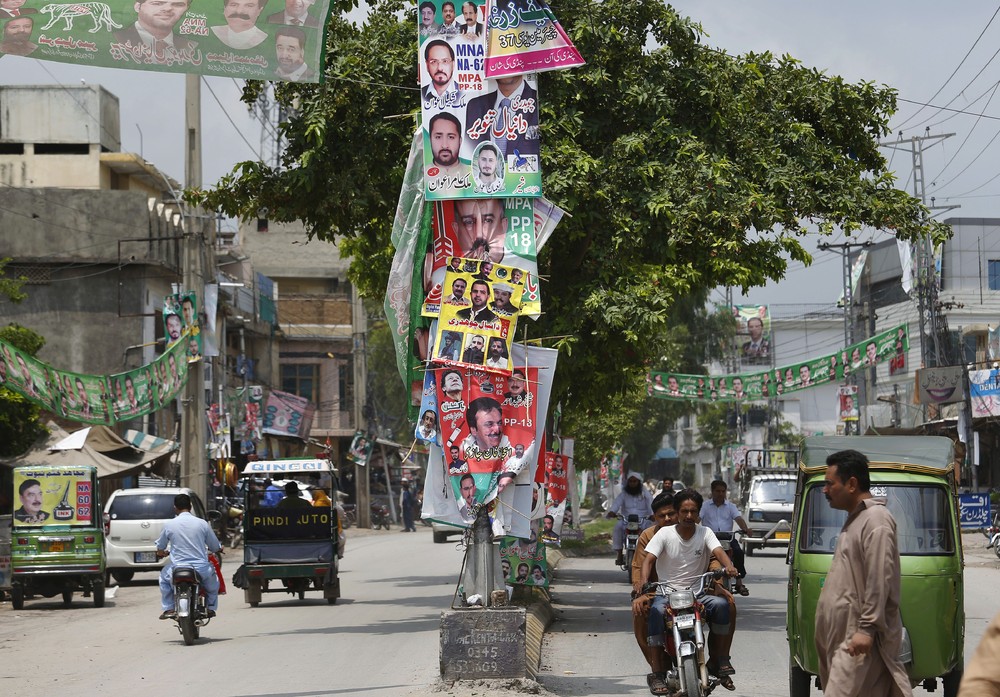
767, 495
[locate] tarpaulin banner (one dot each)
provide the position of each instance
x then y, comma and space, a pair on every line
96, 399
984, 392
241, 39
361, 449
784, 379
480, 136
523, 561
523, 36
54, 496
287, 414
427, 429
847, 402
180, 316
500, 231
753, 334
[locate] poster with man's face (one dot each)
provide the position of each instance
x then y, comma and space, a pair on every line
753, 334
53, 496
522, 562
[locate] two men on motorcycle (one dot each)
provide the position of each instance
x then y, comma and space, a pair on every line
635, 499
678, 555
190, 539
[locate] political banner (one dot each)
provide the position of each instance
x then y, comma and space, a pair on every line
940, 385
286, 414
480, 136
847, 402
95, 399
753, 334
782, 380
501, 231
427, 430
984, 392
54, 496
361, 449
241, 39
524, 36
522, 562
476, 331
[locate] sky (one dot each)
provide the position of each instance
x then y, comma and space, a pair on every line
931, 53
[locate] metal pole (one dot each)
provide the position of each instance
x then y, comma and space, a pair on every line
359, 322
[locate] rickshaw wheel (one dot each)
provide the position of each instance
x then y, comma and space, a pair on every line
17, 597
951, 680
67, 597
798, 681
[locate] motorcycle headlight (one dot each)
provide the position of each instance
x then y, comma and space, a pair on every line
681, 600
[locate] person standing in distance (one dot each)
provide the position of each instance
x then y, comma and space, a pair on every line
190, 540
858, 626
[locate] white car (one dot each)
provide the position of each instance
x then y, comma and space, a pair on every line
133, 520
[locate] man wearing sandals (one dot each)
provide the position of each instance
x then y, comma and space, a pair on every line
679, 555
718, 515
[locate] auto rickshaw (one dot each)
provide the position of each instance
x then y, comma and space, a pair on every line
916, 475
287, 549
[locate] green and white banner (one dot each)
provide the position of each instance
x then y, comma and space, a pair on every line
247, 39
774, 383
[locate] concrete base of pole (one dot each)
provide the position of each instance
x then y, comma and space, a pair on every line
484, 643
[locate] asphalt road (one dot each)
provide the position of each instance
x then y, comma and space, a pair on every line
382, 636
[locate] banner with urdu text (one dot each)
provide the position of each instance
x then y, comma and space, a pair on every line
245, 39
774, 383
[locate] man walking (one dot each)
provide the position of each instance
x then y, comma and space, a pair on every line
858, 627
406, 505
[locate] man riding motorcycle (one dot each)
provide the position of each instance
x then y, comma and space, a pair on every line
189, 539
635, 499
679, 555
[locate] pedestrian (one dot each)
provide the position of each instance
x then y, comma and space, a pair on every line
982, 675
406, 505
858, 627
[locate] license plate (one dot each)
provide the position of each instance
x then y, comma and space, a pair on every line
57, 546
684, 621
782, 535
145, 557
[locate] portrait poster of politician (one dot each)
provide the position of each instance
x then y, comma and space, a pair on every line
480, 136
524, 36
53, 496
478, 317
242, 39
501, 231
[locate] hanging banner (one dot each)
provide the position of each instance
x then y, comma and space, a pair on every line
782, 380
753, 334
984, 392
241, 39
96, 399
495, 230
524, 36
287, 415
54, 496
847, 402
480, 136
522, 562
476, 331
427, 429
361, 449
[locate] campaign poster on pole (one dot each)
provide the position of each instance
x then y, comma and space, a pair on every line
523, 562
524, 36
847, 402
501, 231
477, 320
54, 496
286, 414
361, 449
480, 136
753, 334
427, 430
241, 39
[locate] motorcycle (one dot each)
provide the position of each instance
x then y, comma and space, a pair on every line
633, 528
190, 611
380, 516
686, 637
992, 534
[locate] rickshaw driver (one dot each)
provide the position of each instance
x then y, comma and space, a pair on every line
679, 556
188, 537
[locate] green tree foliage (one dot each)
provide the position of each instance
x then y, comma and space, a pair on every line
683, 168
19, 425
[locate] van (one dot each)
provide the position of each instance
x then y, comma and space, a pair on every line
57, 536
916, 475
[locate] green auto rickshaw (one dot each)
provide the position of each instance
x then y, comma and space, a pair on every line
917, 477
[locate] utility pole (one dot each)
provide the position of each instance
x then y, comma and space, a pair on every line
196, 230
844, 249
359, 324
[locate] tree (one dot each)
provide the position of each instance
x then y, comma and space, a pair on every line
683, 167
19, 425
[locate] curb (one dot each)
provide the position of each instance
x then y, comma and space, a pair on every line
538, 617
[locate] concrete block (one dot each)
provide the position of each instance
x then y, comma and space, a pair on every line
483, 643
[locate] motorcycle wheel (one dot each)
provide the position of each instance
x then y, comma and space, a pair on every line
691, 679
996, 549
628, 563
375, 524
188, 630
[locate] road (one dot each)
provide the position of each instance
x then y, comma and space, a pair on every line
382, 636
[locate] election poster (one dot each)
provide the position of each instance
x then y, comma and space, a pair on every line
361, 449
241, 39
523, 561
753, 334
427, 430
524, 36
477, 320
54, 496
847, 402
286, 414
480, 135
501, 231
774, 383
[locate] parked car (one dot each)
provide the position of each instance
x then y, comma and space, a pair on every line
133, 520
442, 531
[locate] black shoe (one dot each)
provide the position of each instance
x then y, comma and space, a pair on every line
168, 615
210, 614
620, 560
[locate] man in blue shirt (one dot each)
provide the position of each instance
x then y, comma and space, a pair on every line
718, 514
190, 539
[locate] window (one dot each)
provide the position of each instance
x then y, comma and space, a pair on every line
993, 266
923, 519
301, 379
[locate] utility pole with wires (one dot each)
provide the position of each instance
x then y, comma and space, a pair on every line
271, 115
927, 281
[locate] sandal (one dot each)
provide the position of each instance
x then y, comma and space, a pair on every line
727, 682
657, 683
724, 669
743, 590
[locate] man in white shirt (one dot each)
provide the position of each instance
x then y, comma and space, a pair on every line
680, 554
718, 514
240, 30
635, 499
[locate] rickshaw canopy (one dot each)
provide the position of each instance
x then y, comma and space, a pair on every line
291, 466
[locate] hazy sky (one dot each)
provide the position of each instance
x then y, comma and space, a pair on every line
916, 46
